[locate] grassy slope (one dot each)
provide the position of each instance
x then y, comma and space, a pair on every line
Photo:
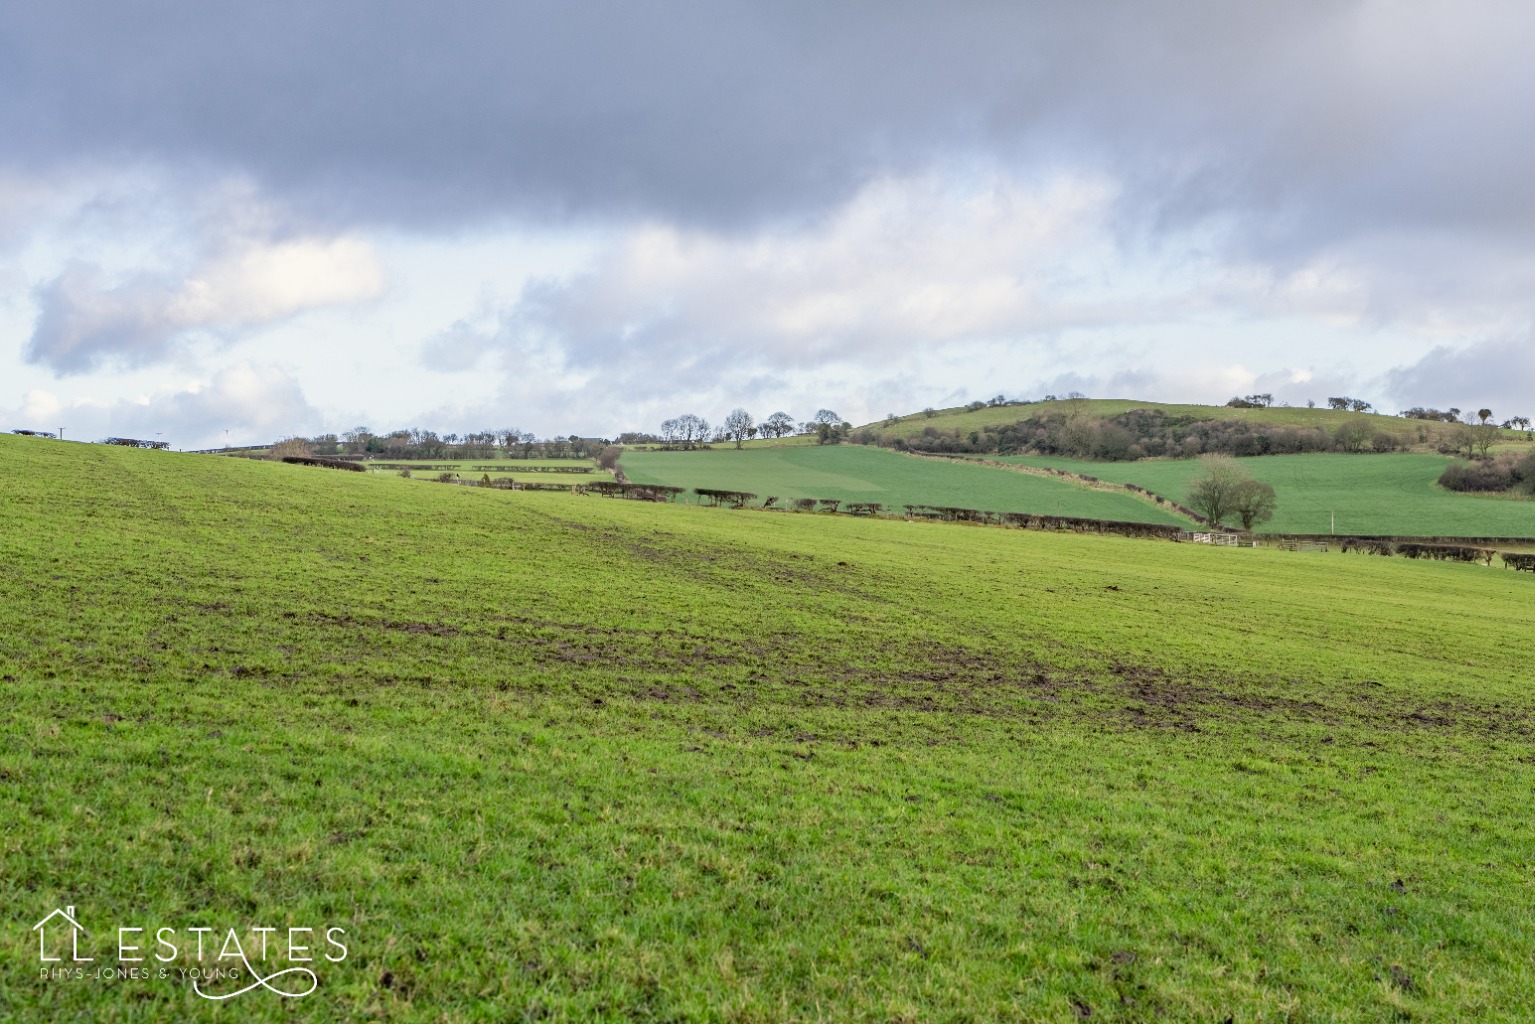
1371, 494
576, 759
855, 473
950, 419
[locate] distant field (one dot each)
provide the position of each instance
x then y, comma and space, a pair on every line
963, 420
508, 464
561, 758
856, 473
520, 470
1373, 494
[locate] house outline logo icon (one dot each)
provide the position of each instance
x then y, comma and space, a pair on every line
68, 914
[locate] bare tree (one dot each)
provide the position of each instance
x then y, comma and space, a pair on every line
1214, 493
1253, 503
1462, 438
778, 424
1351, 436
738, 425
1483, 437
695, 429
686, 429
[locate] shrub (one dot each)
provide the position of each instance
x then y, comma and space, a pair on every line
297, 460
1504, 473
1445, 552
1369, 546
735, 499
289, 447
133, 442
608, 458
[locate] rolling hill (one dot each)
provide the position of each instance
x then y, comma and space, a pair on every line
965, 420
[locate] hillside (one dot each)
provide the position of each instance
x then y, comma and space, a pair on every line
570, 759
857, 473
965, 420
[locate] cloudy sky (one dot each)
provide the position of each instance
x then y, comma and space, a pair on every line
583, 217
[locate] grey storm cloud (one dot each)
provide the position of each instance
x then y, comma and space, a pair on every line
1493, 374
1315, 118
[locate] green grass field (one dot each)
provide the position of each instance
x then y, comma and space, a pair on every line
857, 473
560, 758
1370, 494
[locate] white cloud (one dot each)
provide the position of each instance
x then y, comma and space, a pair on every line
264, 283
908, 262
87, 321
39, 405
925, 290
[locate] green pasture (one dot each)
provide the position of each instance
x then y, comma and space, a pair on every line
1370, 494
560, 758
858, 473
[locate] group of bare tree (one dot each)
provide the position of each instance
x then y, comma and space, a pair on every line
416, 443
691, 431
1262, 401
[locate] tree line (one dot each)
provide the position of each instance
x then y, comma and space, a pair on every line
415, 443
692, 431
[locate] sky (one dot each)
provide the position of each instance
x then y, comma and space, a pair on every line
240, 223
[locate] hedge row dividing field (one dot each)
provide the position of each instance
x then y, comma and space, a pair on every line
853, 473
546, 757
